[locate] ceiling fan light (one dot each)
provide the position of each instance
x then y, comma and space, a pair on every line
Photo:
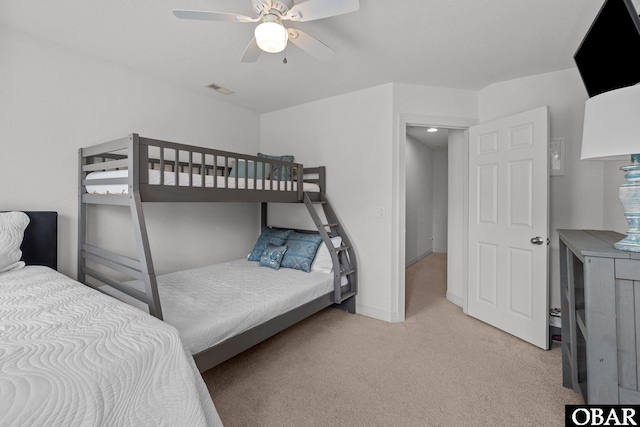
271, 37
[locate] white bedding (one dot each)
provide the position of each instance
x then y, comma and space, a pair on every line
210, 304
71, 356
183, 181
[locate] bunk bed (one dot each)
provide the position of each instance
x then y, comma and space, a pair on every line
72, 356
135, 170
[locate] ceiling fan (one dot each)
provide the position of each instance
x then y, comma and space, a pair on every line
270, 35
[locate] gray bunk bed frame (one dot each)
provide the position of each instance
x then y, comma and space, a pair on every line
132, 153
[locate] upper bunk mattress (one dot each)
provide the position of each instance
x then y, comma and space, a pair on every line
211, 304
183, 181
72, 356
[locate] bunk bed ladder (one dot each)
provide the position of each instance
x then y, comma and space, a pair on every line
141, 269
343, 257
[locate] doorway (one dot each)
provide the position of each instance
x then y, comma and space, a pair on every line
425, 215
426, 192
516, 135
457, 185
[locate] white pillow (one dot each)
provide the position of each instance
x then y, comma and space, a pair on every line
322, 261
12, 226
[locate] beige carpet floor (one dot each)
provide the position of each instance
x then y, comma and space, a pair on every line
438, 368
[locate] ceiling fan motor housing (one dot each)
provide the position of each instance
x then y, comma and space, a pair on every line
275, 7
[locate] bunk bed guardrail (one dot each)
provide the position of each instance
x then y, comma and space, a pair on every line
171, 172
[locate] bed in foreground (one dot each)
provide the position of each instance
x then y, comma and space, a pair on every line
72, 356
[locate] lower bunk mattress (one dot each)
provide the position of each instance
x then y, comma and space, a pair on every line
211, 304
71, 356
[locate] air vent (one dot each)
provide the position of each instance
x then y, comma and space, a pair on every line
222, 90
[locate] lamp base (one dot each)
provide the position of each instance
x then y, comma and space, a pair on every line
631, 243
630, 197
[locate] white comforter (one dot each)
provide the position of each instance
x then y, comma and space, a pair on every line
71, 356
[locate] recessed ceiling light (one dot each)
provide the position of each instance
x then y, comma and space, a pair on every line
222, 90
432, 130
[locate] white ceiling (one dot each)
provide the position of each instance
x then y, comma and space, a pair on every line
466, 44
434, 140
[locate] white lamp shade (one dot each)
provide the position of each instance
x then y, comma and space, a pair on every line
271, 37
612, 125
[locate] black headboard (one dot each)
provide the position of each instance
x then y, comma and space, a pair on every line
40, 242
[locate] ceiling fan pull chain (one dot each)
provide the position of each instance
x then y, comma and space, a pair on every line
284, 60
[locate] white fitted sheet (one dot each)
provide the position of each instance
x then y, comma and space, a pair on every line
183, 181
72, 356
211, 304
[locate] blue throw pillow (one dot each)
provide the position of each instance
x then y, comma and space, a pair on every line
272, 256
268, 235
240, 169
301, 250
279, 172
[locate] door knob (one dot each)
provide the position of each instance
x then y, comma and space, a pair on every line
537, 240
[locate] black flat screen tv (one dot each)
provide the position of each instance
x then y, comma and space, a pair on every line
608, 56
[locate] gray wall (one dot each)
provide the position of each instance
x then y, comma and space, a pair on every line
55, 101
456, 240
357, 137
440, 199
419, 210
349, 134
426, 200
577, 199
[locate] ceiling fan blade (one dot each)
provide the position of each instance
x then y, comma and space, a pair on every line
311, 45
252, 52
205, 15
318, 9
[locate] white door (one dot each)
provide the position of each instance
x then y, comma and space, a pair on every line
508, 225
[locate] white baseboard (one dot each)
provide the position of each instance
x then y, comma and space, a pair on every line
386, 316
376, 313
454, 299
413, 261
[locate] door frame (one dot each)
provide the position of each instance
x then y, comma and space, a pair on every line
398, 255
